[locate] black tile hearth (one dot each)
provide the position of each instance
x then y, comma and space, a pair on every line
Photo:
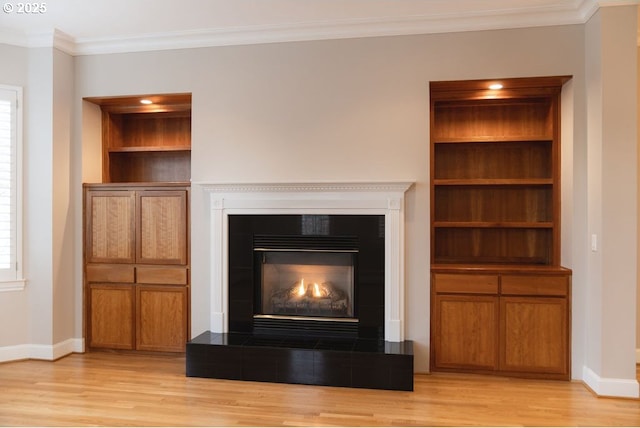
356, 363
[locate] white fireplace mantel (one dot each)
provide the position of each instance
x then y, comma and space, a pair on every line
356, 198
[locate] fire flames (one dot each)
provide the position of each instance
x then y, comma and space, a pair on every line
313, 289
311, 298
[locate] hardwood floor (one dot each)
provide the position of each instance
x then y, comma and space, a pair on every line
115, 389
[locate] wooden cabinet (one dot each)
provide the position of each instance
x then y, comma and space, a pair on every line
136, 270
137, 266
500, 299
501, 319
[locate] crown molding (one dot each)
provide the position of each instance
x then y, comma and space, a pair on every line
579, 12
46, 39
326, 30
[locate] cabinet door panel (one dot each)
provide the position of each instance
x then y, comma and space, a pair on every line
466, 333
161, 318
162, 231
111, 309
110, 218
534, 335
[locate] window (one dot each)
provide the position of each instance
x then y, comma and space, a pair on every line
10, 188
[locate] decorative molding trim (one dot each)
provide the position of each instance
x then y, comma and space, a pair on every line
322, 187
609, 387
17, 285
536, 16
381, 198
48, 39
14, 353
339, 29
41, 352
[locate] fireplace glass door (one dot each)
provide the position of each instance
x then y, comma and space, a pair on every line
303, 283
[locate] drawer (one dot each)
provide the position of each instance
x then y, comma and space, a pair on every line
109, 273
161, 275
465, 283
535, 285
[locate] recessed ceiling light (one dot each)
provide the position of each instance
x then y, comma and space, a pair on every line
495, 86
145, 101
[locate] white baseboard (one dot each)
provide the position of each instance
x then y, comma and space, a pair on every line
610, 387
41, 352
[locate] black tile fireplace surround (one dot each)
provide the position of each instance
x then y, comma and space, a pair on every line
357, 356
364, 233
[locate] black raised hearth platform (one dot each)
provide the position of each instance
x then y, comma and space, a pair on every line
356, 363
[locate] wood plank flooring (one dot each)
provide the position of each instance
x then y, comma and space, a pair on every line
116, 389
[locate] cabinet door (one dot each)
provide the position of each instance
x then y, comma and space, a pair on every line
161, 318
110, 225
466, 332
111, 319
162, 231
534, 335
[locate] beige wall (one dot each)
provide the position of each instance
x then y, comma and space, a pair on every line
44, 313
329, 110
13, 305
62, 179
612, 208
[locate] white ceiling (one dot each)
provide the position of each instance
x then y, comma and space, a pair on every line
104, 26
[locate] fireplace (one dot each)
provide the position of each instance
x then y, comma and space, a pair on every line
307, 286
307, 275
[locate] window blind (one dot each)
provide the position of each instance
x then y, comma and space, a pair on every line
9, 132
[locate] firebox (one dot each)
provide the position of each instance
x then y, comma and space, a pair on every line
305, 283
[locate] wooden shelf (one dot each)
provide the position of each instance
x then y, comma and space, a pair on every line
146, 143
137, 149
500, 302
493, 224
494, 139
162, 103
493, 176
498, 268
493, 182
